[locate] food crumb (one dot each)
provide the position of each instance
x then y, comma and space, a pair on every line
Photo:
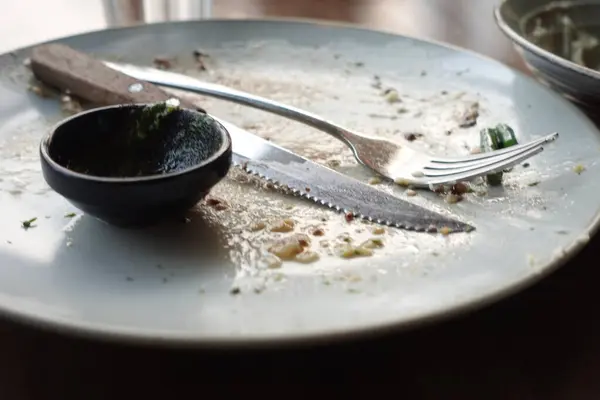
235, 290
349, 216
402, 182
70, 215
373, 243
411, 192
452, 198
318, 232
216, 203
378, 230
70, 106
352, 252
445, 230
40, 90
375, 180
391, 96
199, 58
307, 257
411, 137
28, 223
282, 226
163, 62
258, 226
460, 188
288, 248
578, 169
271, 261
469, 118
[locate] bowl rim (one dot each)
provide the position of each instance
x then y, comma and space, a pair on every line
520, 40
226, 147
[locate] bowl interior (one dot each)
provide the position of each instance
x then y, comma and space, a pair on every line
135, 141
568, 29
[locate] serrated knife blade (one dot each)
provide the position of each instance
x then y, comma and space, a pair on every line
330, 188
309, 179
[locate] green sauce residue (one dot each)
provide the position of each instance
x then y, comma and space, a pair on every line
151, 118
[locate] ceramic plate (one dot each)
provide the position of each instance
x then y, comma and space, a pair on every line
208, 281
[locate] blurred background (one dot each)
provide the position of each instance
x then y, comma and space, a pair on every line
446, 20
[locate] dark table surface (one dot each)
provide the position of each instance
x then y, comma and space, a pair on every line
540, 344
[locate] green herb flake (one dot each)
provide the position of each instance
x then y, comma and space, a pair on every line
70, 215
151, 118
28, 223
578, 169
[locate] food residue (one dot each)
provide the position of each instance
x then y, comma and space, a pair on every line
349, 251
257, 226
378, 230
391, 96
445, 230
289, 247
162, 62
199, 58
411, 137
69, 105
284, 225
318, 232
28, 223
375, 180
469, 117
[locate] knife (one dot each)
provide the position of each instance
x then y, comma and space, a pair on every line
83, 76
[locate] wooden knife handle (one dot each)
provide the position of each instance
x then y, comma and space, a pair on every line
89, 79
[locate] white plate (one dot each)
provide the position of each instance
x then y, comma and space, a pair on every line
171, 284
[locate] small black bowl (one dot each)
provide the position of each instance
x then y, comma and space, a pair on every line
135, 165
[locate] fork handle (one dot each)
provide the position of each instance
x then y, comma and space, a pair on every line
183, 82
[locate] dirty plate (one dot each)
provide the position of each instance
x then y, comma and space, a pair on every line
207, 280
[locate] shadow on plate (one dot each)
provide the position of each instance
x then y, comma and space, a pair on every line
194, 245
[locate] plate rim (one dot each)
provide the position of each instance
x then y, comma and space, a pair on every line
141, 337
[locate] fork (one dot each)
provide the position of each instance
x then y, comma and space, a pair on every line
400, 163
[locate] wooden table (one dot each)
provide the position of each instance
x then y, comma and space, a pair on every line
541, 344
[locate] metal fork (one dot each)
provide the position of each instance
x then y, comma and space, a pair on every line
400, 163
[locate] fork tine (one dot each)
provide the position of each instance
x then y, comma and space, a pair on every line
485, 163
484, 170
474, 157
